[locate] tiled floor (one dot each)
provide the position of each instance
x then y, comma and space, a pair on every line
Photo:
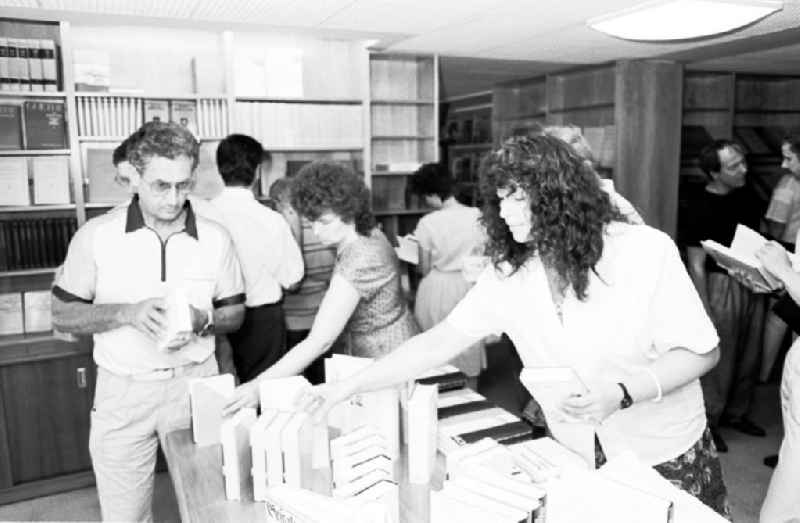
747, 479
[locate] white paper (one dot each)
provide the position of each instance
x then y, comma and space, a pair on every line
50, 180
14, 181
207, 397
282, 393
258, 453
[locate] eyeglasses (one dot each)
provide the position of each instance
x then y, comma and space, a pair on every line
162, 188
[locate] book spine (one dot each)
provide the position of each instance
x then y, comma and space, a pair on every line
49, 71
22, 65
13, 65
35, 65
5, 79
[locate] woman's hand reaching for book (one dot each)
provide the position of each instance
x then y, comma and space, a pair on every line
318, 401
245, 395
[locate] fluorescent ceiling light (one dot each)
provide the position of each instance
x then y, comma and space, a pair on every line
683, 19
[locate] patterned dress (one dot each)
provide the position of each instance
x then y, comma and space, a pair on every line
381, 320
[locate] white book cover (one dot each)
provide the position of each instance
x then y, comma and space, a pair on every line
344, 463
341, 448
208, 396
284, 504
519, 485
38, 317
484, 504
11, 321
236, 454
179, 320
385, 493
14, 181
457, 397
282, 393
156, 110
360, 483
258, 453
422, 429
446, 509
342, 476
497, 493
50, 179
273, 448
296, 446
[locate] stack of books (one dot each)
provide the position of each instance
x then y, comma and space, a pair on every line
33, 125
25, 312
28, 64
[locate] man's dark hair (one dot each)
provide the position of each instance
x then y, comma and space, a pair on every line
709, 155
165, 139
121, 151
793, 140
432, 178
238, 158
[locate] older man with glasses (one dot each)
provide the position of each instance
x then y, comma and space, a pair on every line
119, 268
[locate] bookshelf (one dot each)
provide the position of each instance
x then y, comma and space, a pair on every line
467, 138
403, 115
333, 100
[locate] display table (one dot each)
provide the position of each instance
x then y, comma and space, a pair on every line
200, 487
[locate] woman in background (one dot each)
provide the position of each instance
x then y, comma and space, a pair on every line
364, 302
447, 237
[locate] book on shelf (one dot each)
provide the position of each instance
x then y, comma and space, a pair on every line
37, 311
35, 65
156, 111
5, 79
14, 181
184, 112
18, 65
50, 180
741, 256
11, 321
10, 127
92, 69
47, 53
45, 125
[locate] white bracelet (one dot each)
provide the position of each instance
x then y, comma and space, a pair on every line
652, 374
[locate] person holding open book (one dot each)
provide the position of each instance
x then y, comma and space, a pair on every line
782, 502
575, 285
713, 213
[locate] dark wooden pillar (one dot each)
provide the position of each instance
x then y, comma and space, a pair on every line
648, 107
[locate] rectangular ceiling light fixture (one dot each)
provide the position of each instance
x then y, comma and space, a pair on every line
664, 20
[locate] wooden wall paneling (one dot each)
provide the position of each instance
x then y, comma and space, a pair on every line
585, 88
648, 97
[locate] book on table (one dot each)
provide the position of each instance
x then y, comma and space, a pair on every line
741, 256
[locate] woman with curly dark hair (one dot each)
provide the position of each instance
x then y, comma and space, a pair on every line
576, 286
364, 300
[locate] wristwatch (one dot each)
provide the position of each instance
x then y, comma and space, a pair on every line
208, 327
626, 400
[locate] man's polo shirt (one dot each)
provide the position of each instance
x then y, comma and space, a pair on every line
116, 258
270, 257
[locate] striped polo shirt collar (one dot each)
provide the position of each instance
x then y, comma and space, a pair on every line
135, 220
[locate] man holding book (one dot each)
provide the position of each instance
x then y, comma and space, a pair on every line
713, 214
152, 281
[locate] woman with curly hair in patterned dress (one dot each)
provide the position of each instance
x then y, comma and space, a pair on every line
573, 284
364, 302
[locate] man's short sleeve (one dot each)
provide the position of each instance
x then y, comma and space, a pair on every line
76, 278
677, 316
477, 313
229, 287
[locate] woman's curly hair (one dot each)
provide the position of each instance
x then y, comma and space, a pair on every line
569, 209
321, 187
